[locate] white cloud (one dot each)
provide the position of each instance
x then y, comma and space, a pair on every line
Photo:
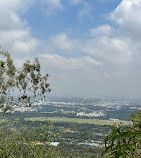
14, 32
25, 46
102, 45
20, 6
127, 16
104, 30
62, 63
64, 43
118, 49
92, 61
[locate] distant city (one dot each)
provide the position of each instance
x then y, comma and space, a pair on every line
88, 107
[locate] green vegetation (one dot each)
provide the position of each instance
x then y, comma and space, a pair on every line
21, 141
76, 120
125, 142
34, 136
24, 81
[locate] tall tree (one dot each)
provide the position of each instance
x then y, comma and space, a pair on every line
26, 81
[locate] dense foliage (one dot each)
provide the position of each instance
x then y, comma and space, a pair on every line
35, 136
21, 141
125, 142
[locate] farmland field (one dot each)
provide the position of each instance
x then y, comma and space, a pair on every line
76, 120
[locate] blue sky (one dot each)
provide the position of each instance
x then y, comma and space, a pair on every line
71, 17
89, 47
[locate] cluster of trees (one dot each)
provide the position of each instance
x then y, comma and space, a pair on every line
26, 141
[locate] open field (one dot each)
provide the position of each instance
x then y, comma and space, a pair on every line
76, 120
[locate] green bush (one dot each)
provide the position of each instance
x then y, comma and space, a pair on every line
124, 141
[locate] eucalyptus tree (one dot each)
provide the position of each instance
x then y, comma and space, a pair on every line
25, 82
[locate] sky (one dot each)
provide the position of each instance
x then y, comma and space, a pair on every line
89, 47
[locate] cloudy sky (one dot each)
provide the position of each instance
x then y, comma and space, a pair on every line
89, 47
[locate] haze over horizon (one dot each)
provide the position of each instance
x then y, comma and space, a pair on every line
89, 47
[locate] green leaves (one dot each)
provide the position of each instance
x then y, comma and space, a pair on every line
125, 142
27, 80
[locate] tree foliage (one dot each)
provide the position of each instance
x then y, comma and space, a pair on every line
18, 141
25, 82
124, 141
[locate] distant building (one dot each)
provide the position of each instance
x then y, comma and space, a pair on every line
93, 114
54, 143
